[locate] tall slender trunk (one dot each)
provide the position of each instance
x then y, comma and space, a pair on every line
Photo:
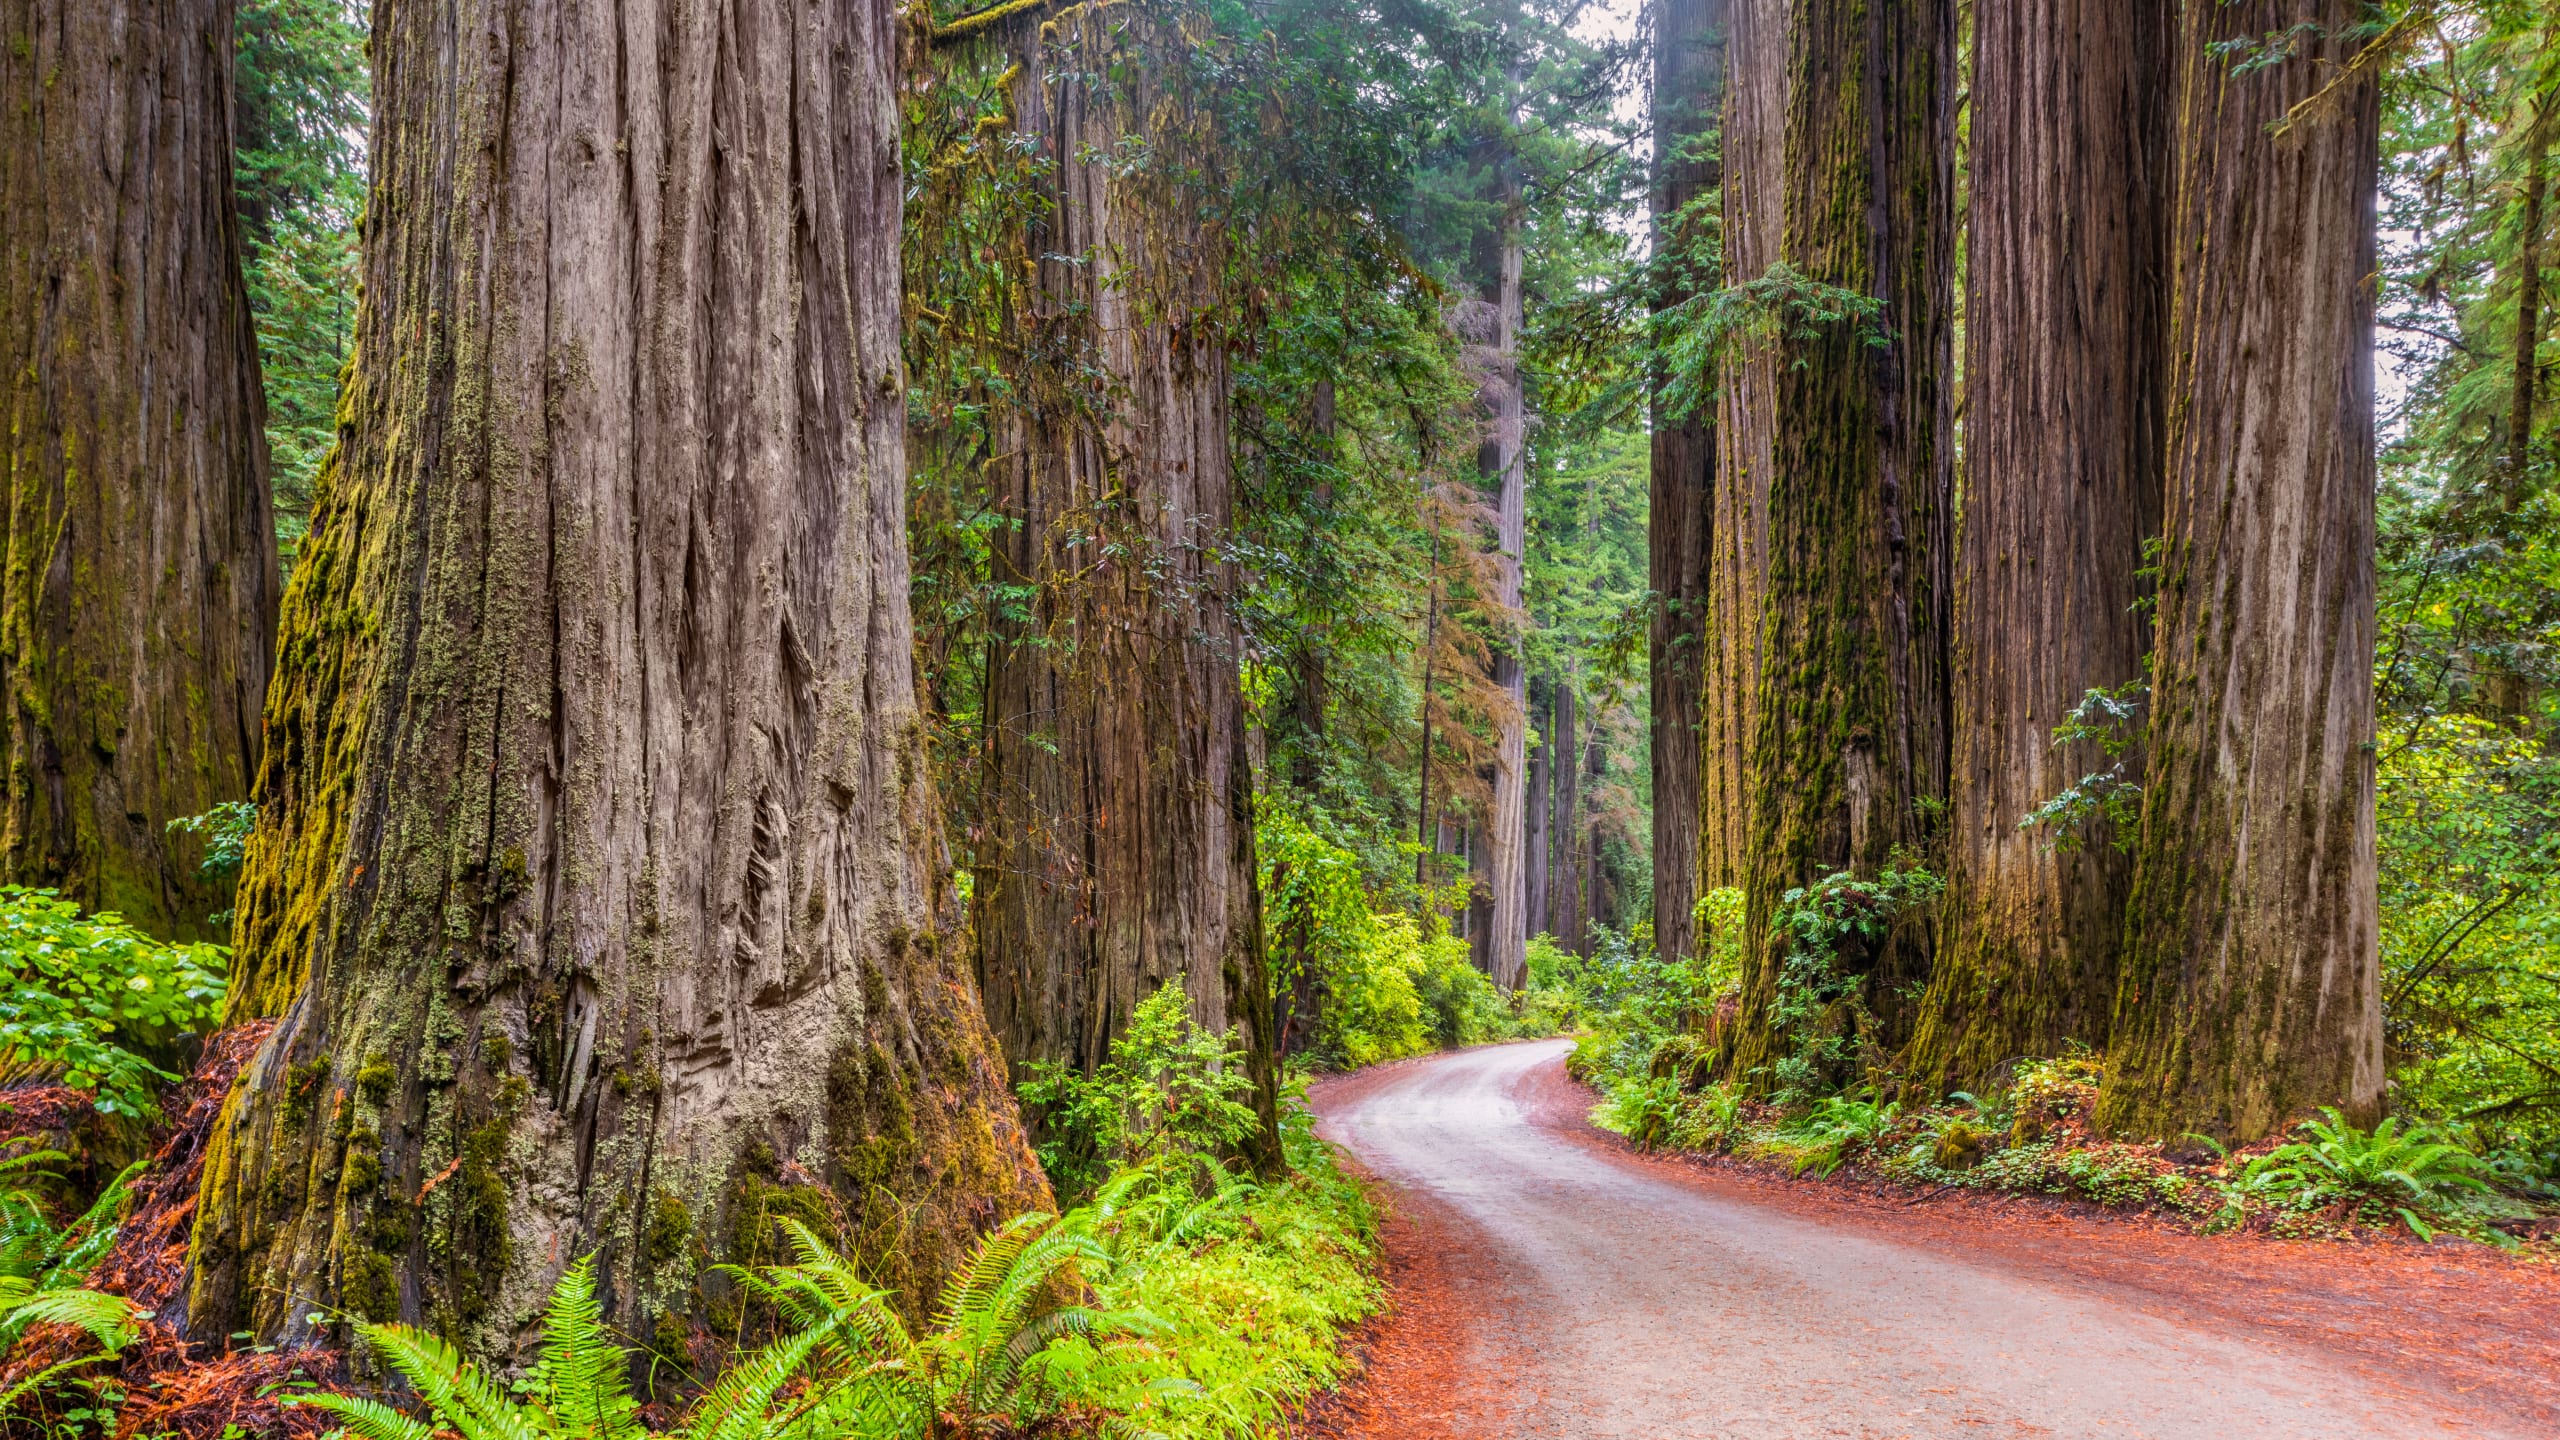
1505, 460
2528, 337
1848, 754
1735, 532
1117, 850
2066, 324
140, 602
1688, 95
1566, 827
1540, 802
2250, 986
592, 882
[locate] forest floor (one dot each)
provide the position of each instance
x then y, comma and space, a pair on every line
1546, 1280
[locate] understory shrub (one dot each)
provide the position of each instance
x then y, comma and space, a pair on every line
96, 1002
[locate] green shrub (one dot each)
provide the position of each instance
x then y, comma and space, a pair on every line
2411, 1171
44, 1268
1824, 1137
1168, 1088
96, 1001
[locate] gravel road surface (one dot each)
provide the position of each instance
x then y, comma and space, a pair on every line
1597, 1294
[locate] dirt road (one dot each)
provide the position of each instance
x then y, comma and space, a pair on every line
1551, 1284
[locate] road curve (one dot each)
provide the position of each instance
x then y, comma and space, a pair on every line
1627, 1304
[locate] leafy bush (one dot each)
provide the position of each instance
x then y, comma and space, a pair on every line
1824, 1137
96, 1001
2404, 1169
44, 1268
1168, 1306
1252, 1285
1168, 1088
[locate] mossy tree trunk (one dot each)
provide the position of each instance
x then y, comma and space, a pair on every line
2250, 987
1734, 532
2066, 324
1688, 97
1115, 852
591, 884
1848, 753
139, 604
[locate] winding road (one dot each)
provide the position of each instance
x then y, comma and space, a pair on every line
1595, 1293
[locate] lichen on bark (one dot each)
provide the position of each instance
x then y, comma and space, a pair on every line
1847, 759
139, 592
2250, 987
595, 810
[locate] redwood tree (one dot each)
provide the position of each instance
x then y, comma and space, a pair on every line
1848, 744
592, 890
1115, 848
1733, 532
1688, 91
2065, 328
2250, 987
140, 598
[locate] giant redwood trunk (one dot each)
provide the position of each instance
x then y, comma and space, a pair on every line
1734, 532
140, 596
1115, 848
2066, 321
1848, 749
1688, 92
591, 887
2250, 986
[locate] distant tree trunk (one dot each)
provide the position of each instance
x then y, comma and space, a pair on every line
1540, 801
1850, 752
1505, 460
140, 602
1117, 847
2250, 985
1688, 94
1735, 532
2066, 324
2528, 336
1565, 886
592, 883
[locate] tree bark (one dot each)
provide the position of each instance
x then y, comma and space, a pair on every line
1565, 885
2250, 985
140, 599
2526, 386
592, 884
1541, 788
2066, 323
1850, 751
1735, 532
1688, 95
1117, 848
1504, 459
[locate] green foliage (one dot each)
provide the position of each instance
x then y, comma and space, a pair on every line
1826, 1136
1821, 1010
1182, 1302
301, 86
1168, 1088
2387, 1165
2108, 719
1251, 1285
93, 999
44, 1267
225, 831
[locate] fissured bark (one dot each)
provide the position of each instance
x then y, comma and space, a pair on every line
139, 602
591, 885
